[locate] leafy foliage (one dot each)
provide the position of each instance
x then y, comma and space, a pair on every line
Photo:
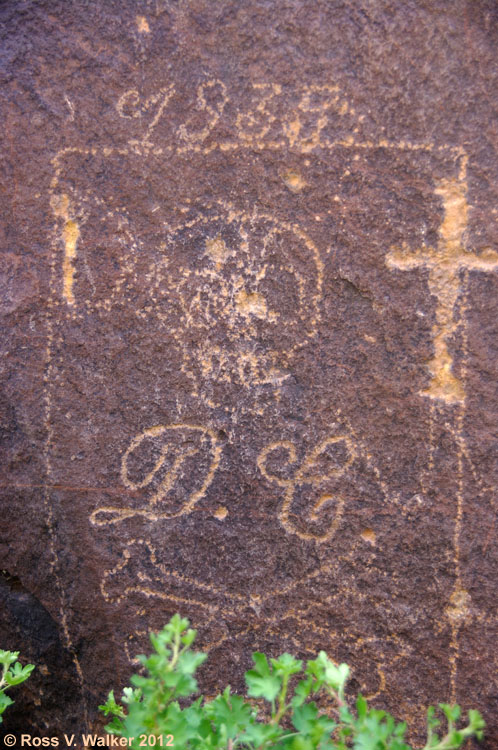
13, 673
151, 708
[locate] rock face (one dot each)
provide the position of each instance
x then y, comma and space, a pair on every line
249, 313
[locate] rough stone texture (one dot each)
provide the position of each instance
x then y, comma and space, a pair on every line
249, 298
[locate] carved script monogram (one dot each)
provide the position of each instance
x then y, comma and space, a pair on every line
176, 464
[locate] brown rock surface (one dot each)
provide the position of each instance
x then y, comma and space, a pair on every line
249, 299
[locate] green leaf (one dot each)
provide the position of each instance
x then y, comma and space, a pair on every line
475, 726
302, 743
476, 722
286, 665
18, 674
139, 680
130, 695
230, 711
189, 661
452, 713
304, 717
326, 672
345, 715
194, 714
432, 720
189, 637
111, 707
152, 706
361, 707
262, 683
302, 692
5, 701
400, 729
115, 727
456, 738
12, 673
176, 626
8, 657
258, 734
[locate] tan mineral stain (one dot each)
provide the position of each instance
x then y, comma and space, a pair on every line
142, 25
368, 535
444, 263
251, 304
220, 513
458, 611
217, 250
294, 181
292, 130
70, 234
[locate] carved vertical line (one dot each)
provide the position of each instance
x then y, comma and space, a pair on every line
48, 384
457, 610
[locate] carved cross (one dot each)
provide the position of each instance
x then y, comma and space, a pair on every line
444, 264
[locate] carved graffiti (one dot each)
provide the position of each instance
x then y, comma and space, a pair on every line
184, 461
309, 479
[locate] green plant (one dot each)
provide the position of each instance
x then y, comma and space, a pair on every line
13, 673
150, 714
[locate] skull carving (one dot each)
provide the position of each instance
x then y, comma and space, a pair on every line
244, 296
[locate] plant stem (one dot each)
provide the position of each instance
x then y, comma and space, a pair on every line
3, 681
443, 744
281, 700
176, 648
